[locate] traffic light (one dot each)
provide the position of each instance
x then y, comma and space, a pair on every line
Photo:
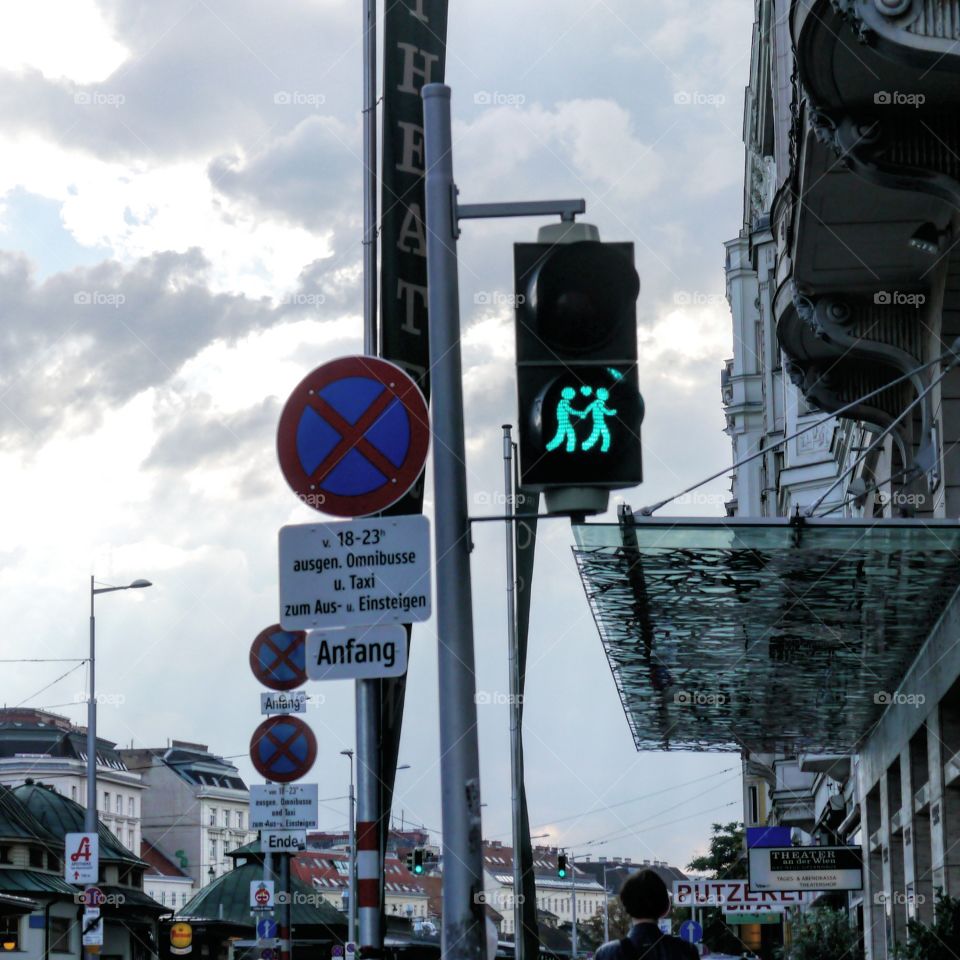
562, 865
415, 861
580, 407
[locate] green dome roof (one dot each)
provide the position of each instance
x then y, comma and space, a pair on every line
17, 822
59, 815
232, 893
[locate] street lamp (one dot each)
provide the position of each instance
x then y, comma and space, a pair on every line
606, 903
91, 815
352, 881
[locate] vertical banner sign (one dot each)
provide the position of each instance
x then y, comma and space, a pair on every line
414, 53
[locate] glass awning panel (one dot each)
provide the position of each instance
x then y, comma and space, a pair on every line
768, 635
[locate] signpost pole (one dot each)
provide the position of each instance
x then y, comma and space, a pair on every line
367, 833
284, 912
463, 919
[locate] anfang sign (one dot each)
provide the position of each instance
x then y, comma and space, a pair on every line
806, 868
364, 653
734, 896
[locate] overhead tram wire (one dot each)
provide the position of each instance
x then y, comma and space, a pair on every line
49, 685
658, 826
953, 354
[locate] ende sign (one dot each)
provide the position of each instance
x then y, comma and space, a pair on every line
359, 572
735, 896
361, 654
806, 868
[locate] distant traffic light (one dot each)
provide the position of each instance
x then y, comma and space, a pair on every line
562, 865
580, 407
415, 861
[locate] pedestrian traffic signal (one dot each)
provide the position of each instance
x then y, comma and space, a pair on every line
562, 865
580, 407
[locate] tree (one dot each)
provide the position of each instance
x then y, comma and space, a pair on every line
940, 940
725, 860
824, 934
619, 923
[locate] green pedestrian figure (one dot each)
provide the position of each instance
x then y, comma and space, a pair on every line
565, 431
599, 411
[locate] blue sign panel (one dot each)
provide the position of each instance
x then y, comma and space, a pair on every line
691, 931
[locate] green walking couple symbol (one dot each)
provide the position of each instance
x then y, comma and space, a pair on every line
597, 410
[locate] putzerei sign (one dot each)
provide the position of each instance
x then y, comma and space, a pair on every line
734, 896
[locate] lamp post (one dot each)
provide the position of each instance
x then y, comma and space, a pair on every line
352, 881
606, 903
91, 815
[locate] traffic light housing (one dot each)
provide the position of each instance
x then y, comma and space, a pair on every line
580, 407
415, 861
562, 865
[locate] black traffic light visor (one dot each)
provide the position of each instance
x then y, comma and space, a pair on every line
580, 294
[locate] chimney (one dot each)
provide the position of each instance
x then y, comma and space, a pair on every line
646, 863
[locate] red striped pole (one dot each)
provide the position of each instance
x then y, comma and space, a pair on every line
368, 888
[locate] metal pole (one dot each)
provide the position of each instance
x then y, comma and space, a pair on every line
513, 666
284, 917
573, 887
606, 904
370, 177
90, 819
463, 919
352, 905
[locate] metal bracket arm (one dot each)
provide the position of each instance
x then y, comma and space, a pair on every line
567, 210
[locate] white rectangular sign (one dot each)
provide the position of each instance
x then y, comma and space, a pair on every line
357, 572
357, 653
735, 896
283, 806
92, 935
283, 841
294, 701
81, 858
806, 868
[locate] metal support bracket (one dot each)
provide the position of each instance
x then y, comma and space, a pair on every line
567, 210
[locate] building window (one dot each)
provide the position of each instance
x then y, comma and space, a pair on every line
9, 933
754, 805
213, 852
73, 792
213, 816
131, 839
163, 897
131, 808
36, 858
106, 800
119, 804
239, 820
61, 933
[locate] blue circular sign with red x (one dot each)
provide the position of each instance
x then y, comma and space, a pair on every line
283, 749
278, 658
353, 437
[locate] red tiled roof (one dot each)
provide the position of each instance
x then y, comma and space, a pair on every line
159, 864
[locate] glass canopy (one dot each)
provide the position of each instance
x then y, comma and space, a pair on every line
768, 635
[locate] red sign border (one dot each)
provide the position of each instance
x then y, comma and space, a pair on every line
403, 387
264, 729
261, 638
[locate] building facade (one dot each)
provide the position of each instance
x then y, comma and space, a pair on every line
43, 746
195, 807
844, 287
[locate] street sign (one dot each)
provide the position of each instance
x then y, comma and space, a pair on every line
350, 949
276, 658
283, 806
283, 749
266, 928
805, 868
360, 653
336, 951
735, 896
353, 436
742, 918
691, 931
293, 702
92, 928
283, 841
261, 894
360, 572
81, 861
93, 897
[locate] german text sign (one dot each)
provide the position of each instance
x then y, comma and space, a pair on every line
359, 572
361, 653
287, 806
806, 868
81, 861
734, 896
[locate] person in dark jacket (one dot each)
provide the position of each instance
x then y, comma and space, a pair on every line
644, 896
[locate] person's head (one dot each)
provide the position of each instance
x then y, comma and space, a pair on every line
644, 896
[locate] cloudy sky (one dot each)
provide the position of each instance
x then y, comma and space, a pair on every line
180, 243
